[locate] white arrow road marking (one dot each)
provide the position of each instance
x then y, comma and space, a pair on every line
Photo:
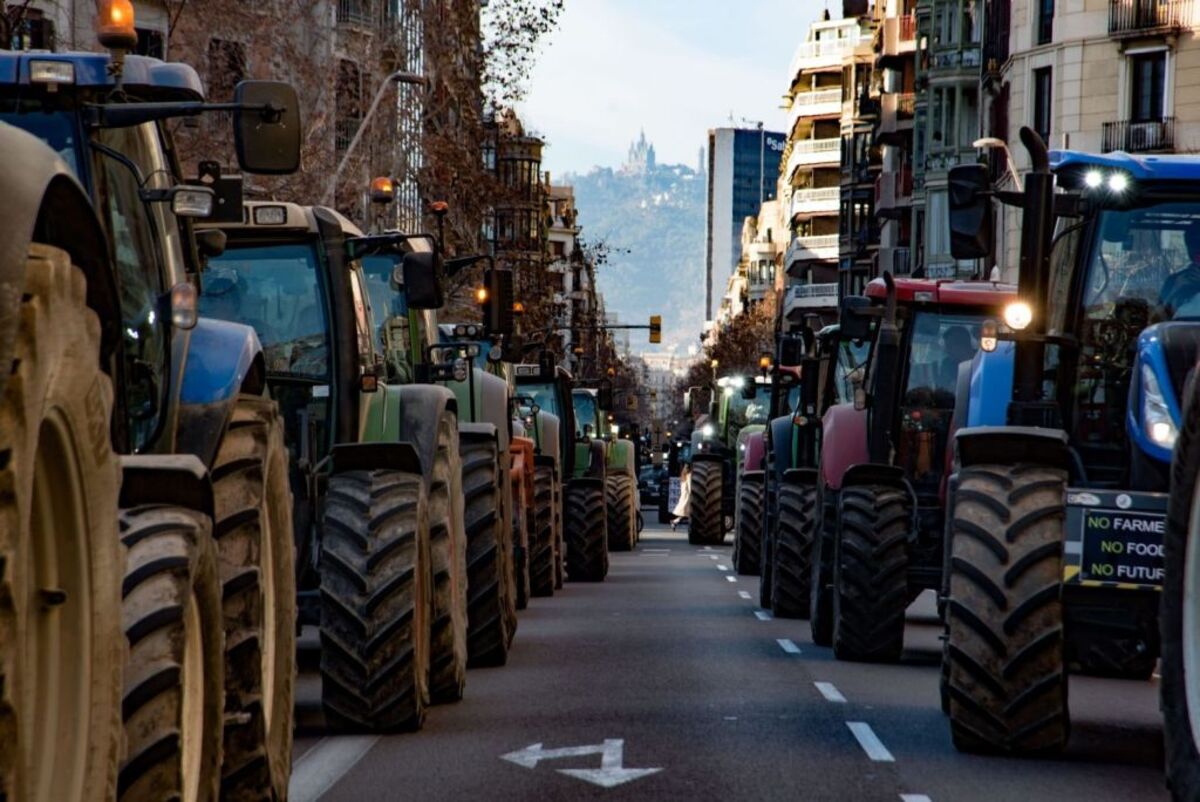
321, 767
745, 594
610, 774
762, 615
830, 692
787, 645
870, 742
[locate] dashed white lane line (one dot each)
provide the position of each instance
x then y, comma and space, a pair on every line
707, 548
787, 645
830, 692
322, 766
712, 556
914, 798
722, 567
870, 742
730, 578
762, 615
745, 594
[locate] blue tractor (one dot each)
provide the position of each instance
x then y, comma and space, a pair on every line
1067, 420
165, 571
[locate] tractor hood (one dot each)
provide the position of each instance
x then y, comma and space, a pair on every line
1166, 357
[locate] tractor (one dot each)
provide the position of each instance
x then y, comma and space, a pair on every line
374, 457
162, 571
103, 354
885, 453
1057, 503
767, 396
620, 472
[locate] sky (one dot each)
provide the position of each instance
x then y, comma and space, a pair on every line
673, 67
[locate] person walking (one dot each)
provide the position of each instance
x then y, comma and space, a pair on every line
680, 512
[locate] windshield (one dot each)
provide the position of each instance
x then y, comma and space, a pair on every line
275, 289
56, 128
386, 302
748, 411
585, 414
940, 343
543, 395
1145, 264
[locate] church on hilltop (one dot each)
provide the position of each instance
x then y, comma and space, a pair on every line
641, 157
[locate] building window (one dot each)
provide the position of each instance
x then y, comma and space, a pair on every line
1149, 71
1042, 102
349, 104
1045, 21
150, 43
31, 30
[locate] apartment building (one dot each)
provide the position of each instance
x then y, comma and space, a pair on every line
898, 216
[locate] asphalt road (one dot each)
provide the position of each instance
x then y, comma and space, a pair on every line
670, 665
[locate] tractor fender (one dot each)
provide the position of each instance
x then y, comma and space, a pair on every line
596, 460
42, 201
873, 473
1010, 445
708, 456
211, 364
620, 457
407, 413
176, 479
548, 431
521, 469
489, 405
754, 458
844, 442
399, 456
781, 436
800, 477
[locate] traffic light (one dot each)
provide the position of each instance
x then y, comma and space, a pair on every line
656, 328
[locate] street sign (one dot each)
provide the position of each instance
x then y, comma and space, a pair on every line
610, 774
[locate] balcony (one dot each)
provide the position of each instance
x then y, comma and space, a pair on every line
899, 35
807, 249
893, 189
801, 298
819, 103
1141, 17
896, 111
1139, 136
815, 201
810, 152
897, 259
954, 60
826, 52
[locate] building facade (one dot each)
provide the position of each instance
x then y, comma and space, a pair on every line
743, 166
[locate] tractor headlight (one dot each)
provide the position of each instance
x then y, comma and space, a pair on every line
707, 430
1118, 182
1093, 179
1156, 416
460, 370
1018, 315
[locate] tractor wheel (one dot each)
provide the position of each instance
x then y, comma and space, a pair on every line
1007, 679
491, 604
706, 525
60, 734
747, 543
870, 574
255, 555
560, 547
522, 537
586, 533
820, 607
1180, 688
791, 572
448, 550
175, 678
622, 523
541, 557
376, 601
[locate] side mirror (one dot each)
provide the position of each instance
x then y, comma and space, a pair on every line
853, 323
266, 127
970, 211
423, 290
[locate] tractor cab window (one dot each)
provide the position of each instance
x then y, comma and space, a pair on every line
543, 395
748, 411
277, 290
362, 318
386, 302
849, 369
586, 415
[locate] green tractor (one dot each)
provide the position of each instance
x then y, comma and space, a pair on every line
593, 421
374, 460
145, 599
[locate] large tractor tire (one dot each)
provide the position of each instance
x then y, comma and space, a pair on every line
820, 607
542, 545
448, 549
560, 546
586, 533
1007, 679
175, 679
706, 524
255, 554
791, 569
522, 537
61, 654
870, 574
748, 540
1180, 621
376, 602
619, 490
491, 602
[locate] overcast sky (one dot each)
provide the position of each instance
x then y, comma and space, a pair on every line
674, 67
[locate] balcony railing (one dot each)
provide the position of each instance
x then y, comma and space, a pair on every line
967, 58
809, 201
808, 248
820, 97
1141, 16
1139, 136
810, 296
825, 50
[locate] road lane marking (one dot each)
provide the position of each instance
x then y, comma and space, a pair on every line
745, 594
707, 548
870, 742
914, 798
612, 771
322, 766
722, 567
731, 578
787, 645
712, 556
830, 692
762, 615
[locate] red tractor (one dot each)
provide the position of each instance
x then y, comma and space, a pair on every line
883, 466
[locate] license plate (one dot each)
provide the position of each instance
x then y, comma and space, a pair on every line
1115, 539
